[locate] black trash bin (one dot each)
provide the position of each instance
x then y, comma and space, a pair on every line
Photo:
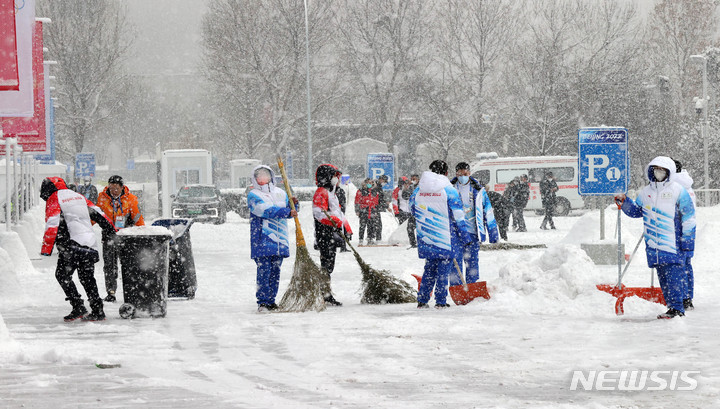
144, 259
182, 278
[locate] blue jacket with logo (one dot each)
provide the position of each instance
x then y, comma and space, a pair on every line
478, 204
269, 210
441, 228
668, 214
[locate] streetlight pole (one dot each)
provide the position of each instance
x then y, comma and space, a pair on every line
704, 127
307, 86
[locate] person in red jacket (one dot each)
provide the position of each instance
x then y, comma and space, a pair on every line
329, 220
366, 207
68, 227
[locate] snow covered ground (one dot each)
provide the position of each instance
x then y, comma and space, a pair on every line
519, 349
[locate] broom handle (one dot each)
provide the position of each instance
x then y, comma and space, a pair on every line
347, 241
457, 268
299, 238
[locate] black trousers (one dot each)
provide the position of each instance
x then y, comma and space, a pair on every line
549, 210
68, 262
402, 216
327, 245
110, 267
519, 218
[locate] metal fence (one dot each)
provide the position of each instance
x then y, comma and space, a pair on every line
707, 197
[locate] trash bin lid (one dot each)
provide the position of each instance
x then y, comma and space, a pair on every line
144, 231
177, 226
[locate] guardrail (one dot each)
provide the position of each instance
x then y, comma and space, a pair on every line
707, 197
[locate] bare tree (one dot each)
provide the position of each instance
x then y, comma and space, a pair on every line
473, 38
385, 43
255, 60
89, 39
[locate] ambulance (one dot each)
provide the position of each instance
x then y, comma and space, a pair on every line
498, 172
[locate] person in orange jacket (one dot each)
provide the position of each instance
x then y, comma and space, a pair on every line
121, 207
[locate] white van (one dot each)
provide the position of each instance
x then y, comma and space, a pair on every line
497, 173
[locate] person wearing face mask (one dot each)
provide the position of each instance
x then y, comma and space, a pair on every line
269, 238
88, 190
366, 206
669, 217
479, 216
329, 220
442, 232
548, 187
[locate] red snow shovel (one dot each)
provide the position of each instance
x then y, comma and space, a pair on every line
652, 293
463, 294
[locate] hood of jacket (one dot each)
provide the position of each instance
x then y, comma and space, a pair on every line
51, 185
265, 188
663, 162
684, 179
324, 175
432, 182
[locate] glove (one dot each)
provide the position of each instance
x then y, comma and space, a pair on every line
295, 201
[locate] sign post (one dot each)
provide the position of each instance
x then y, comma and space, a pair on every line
603, 165
379, 164
84, 165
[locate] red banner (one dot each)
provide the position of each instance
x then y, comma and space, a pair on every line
20, 102
31, 131
9, 79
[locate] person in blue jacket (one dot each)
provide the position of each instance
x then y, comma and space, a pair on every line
669, 217
442, 231
269, 244
684, 179
480, 219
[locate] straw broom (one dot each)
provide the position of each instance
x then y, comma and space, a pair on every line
308, 284
380, 287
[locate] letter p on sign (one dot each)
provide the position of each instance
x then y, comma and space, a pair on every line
377, 172
593, 164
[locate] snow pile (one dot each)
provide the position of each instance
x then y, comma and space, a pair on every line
32, 228
11, 292
400, 235
12, 244
560, 279
4, 334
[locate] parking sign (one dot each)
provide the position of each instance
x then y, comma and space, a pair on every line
603, 161
379, 164
84, 165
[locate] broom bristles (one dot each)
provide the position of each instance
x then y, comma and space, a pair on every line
381, 287
307, 287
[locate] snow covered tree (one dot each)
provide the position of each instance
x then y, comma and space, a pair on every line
255, 60
89, 40
385, 46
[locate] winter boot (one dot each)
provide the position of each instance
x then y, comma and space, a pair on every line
330, 300
422, 305
110, 297
78, 310
670, 314
441, 306
688, 305
97, 312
